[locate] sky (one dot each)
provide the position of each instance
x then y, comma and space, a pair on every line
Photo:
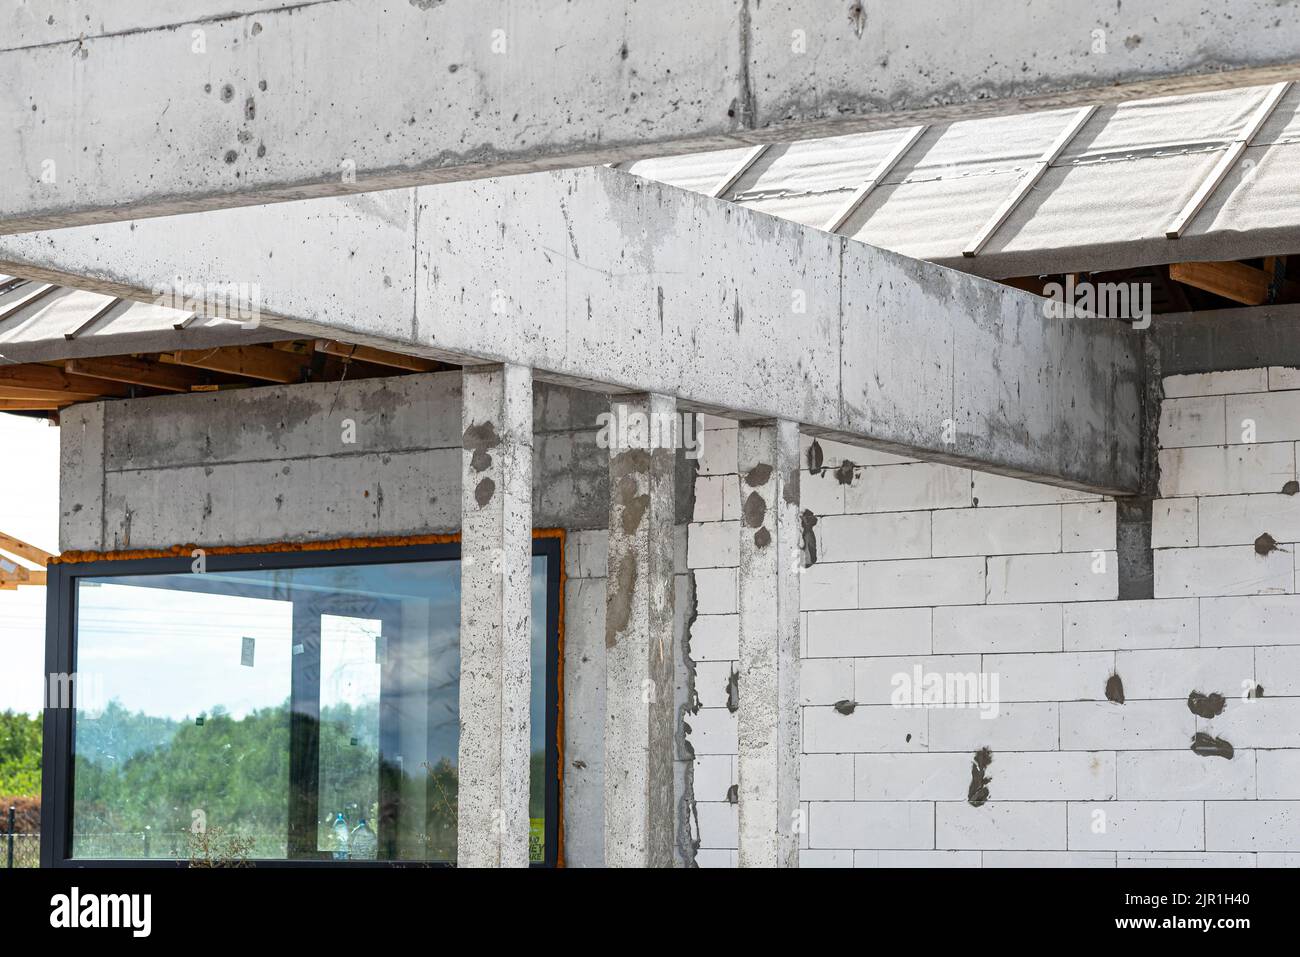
29, 509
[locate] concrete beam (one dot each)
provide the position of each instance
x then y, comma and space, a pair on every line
639, 603
495, 616
603, 280
768, 580
127, 108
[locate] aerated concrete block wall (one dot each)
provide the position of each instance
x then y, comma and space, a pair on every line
1107, 746
374, 457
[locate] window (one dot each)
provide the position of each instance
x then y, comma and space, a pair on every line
297, 707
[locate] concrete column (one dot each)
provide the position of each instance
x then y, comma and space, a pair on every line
495, 615
639, 634
768, 685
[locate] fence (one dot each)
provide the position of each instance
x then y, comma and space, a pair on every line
17, 850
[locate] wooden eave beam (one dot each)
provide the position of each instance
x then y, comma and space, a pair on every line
253, 362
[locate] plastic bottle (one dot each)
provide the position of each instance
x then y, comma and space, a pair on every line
340, 838
364, 843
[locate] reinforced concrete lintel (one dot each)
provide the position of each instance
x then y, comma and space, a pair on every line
596, 278
130, 109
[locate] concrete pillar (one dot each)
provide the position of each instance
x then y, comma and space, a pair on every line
768, 684
495, 615
639, 634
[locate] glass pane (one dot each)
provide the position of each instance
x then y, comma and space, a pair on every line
305, 713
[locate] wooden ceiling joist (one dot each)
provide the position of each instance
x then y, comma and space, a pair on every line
33, 405
379, 357
140, 372
54, 379
254, 362
1247, 285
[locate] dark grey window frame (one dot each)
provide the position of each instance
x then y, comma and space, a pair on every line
60, 657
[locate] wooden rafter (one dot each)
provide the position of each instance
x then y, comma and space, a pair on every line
124, 369
1232, 280
379, 357
54, 379
16, 546
11, 573
254, 362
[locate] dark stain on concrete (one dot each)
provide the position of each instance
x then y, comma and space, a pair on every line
733, 794
846, 706
815, 458
978, 793
1206, 705
1291, 487
1265, 543
733, 691
844, 474
619, 609
1256, 692
791, 491
634, 505
758, 475
478, 439
1208, 746
580, 764
808, 521
484, 491
1115, 689
754, 510
762, 538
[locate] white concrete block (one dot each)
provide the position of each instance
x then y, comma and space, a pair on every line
821, 494
810, 858
1224, 570
1051, 676
1088, 526
1100, 625
711, 680
713, 731
714, 776
870, 728
1263, 417
708, 498
834, 453
871, 825
1266, 620
1226, 470
1256, 723
1015, 776
1252, 826
1136, 826
1071, 576
1013, 727
911, 777
892, 680
859, 633
829, 585
716, 857
1174, 523
1181, 859
1283, 377
713, 545
1001, 825
899, 488
1193, 421
1133, 726
926, 859
719, 824
718, 452
997, 531
1277, 669
730, 497
826, 777
715, 591
921, 581
1178, 672
1240, 519
1278, 773
1271, 859
826, 680
1184, 776
715, 638
1036, 859
1216, 383
885, 535
990, 490
997, 628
